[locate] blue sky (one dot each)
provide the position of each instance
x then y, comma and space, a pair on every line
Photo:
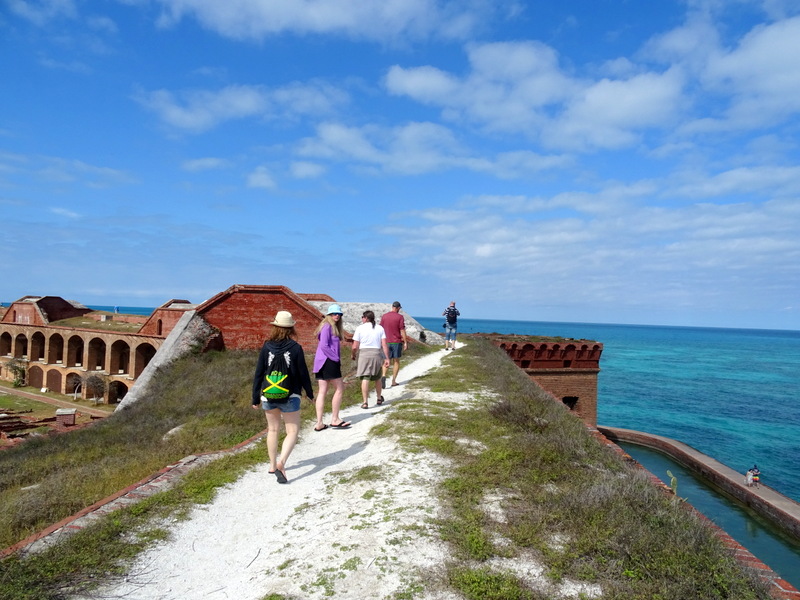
585, 161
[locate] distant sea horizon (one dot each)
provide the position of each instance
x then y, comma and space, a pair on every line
733, 394
469, 324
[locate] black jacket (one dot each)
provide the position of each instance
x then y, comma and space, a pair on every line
299, 379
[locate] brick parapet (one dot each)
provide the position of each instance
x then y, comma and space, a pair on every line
565, 368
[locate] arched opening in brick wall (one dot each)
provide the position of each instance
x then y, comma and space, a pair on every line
144, 354
75, 351
120, 358
74, 385
570, 401
116, 391
53, 381
37, 346
20, 346
5, 344
36, 377
96, 360
55, 350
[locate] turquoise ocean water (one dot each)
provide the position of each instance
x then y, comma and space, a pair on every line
733, 394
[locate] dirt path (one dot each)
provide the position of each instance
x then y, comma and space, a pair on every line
353, 522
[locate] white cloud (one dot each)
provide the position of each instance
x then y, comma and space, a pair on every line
762, 180
511, 87
416, 148
306, 170
72, 66
425, 84
379, 20
261, 178
201, 110
102, 24
519, 87
61, 170
762, 73
614, 113
40, 12
638, 254
204, 164
63, 212
752, 83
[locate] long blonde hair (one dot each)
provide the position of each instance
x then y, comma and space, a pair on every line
336, 326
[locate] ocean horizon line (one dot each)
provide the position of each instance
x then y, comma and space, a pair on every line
146, 310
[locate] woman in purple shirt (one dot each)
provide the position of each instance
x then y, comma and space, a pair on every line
328, 367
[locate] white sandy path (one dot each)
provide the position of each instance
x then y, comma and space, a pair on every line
318, 536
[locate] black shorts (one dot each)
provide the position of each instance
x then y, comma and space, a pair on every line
330, 370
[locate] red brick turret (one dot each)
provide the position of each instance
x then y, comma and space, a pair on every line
565, 368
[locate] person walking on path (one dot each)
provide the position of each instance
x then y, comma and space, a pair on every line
394, 324
369, 343
451, 315
281, 350
328, 367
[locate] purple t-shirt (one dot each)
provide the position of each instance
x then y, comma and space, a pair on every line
328, 347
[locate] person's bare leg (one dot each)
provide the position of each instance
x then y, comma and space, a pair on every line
395, 370
320, 401
336, 402
365, 391
273, 429
291, 421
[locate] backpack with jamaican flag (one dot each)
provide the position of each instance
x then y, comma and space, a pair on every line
276, 381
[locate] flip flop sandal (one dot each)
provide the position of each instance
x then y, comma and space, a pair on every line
281, 477
342, 425
323, 428
380, 400
365, 405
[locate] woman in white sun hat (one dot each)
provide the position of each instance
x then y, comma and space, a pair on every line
281, 375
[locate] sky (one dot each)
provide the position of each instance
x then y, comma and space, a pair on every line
599, 161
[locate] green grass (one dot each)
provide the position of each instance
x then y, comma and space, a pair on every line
31, 408
566, 499
109, 408
66, 473
86, 322
106, 547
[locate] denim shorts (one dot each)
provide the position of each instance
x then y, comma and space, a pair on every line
449, 332
291, 405
395, 350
